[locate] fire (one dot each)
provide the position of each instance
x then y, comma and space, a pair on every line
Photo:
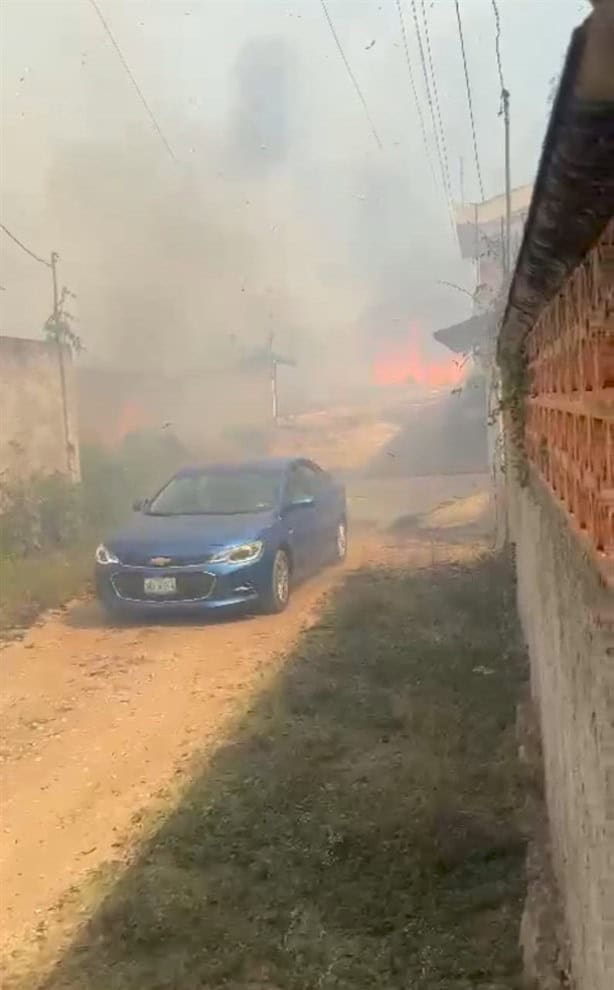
132, 417
405, 363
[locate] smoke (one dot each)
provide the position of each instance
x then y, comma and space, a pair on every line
187, 265
183, 266
279, 214
260, 129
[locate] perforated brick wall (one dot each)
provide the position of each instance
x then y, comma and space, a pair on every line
570, 408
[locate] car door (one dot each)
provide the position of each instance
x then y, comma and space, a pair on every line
300, 512
318, 484
327, 510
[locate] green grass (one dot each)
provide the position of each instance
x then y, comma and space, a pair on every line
360, 828
29, 585
49, 527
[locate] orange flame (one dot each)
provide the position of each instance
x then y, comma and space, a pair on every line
405, 363
132, 417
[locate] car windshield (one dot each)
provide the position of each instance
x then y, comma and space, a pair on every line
217, 493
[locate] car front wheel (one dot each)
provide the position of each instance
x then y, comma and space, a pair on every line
278, 593
341, 541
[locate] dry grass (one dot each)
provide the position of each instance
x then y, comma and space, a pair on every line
29, 585
359, 831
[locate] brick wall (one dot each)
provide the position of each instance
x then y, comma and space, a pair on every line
570, 408
562, 523
32, 426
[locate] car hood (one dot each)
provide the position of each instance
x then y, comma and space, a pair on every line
184, 539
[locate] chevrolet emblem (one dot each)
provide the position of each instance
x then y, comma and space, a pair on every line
160, 561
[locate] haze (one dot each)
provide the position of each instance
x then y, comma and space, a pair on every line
278, 211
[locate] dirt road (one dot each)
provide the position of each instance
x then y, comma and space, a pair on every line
99, 724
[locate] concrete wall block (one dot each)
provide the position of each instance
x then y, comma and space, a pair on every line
33, 432
565, 611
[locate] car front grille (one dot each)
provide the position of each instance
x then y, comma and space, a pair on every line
191, 587
144, 560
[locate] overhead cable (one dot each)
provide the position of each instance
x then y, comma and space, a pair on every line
469, 99
412, 83
23, 247
498, 45
429, 96
132, 79
442, 133
350, 73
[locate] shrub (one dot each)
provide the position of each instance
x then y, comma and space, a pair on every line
48, 512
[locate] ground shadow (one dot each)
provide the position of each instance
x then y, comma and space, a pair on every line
359, 828
90, 615
447, 436
459, 521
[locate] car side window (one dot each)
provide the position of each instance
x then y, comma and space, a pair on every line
318, 477
302, 483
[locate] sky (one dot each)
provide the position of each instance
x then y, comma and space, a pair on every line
277, 211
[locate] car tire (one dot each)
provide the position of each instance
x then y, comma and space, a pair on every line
278, 594
341, 542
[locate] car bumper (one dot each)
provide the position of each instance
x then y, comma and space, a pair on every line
220, 586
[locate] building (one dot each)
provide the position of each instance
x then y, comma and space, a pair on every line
556, 357
480, 228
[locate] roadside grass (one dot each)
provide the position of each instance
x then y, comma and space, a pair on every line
360, 829
49, 527
30, 585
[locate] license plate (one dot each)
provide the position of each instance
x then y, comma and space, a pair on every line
160, 586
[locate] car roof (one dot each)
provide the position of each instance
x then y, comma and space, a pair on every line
275, 465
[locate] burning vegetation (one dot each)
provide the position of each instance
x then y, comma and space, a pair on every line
405, 362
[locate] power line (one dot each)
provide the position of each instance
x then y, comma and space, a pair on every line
498, 44
23, 247
469, 99
348, 67
429, 98
412, 83
135, 84
442, 133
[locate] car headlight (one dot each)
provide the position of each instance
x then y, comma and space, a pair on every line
104, 556
245, 553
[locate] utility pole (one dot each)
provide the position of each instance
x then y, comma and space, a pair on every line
57, 333
476, 230
505, 96
273, 372
55, 330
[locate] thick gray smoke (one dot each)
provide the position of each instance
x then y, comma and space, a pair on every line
279, 213
185, 267
261, 122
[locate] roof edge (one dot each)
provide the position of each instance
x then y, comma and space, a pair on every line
573, 198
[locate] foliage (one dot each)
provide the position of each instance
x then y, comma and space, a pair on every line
514, 392
46, 521
28, 585
58, 327
42, 513
48, 512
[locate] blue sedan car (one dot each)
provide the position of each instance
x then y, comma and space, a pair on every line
223, 536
